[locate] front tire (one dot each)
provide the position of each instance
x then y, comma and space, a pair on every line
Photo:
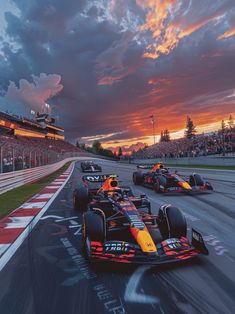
172, 223
94, 226
160, 182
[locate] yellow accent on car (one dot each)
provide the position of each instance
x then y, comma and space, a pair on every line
185, 185
145, 241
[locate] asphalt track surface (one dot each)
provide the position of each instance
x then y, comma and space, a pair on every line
48, 274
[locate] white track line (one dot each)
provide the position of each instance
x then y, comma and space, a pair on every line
4, 247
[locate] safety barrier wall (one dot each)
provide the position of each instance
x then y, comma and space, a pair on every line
11, 180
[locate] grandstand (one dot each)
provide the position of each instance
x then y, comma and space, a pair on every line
218, 143
26, 143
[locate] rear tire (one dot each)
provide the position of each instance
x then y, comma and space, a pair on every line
138, 178
81, 199
172, 223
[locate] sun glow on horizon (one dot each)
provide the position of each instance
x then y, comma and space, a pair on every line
204, 128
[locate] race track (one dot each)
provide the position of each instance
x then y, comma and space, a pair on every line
49, 275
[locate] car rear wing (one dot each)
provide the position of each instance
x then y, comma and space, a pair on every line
97, 177
198, 242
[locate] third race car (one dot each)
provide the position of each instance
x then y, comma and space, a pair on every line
90, 166
161, 179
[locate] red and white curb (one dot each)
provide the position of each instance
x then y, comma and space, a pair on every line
15, 228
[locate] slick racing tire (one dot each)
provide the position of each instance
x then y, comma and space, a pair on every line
159, 181
81, 199
196, 180
93, 226
156, 187
172, 223
138, 178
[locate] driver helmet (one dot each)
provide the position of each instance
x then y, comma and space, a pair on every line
158, 166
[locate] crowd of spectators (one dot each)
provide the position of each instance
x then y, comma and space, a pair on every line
18, 153
221, 142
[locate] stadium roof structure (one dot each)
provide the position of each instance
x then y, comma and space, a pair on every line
22, 126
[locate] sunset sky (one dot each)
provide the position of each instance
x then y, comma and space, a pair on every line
106, 66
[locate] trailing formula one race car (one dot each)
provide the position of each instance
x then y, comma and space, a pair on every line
119, 227
90, 166
162, 180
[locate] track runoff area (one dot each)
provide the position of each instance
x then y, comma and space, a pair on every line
48, 273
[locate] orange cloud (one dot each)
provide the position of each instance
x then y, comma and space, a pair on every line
155, 18
193, 28
165, 32
110, 79
228, 34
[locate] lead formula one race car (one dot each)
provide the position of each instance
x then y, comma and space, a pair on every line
119, 227
160, 179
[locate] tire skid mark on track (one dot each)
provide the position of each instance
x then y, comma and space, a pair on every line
223, 181
220, 277
186, 302
217, 206
219, 249
228, 195
189, 298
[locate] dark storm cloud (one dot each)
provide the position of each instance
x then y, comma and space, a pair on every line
98, 48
